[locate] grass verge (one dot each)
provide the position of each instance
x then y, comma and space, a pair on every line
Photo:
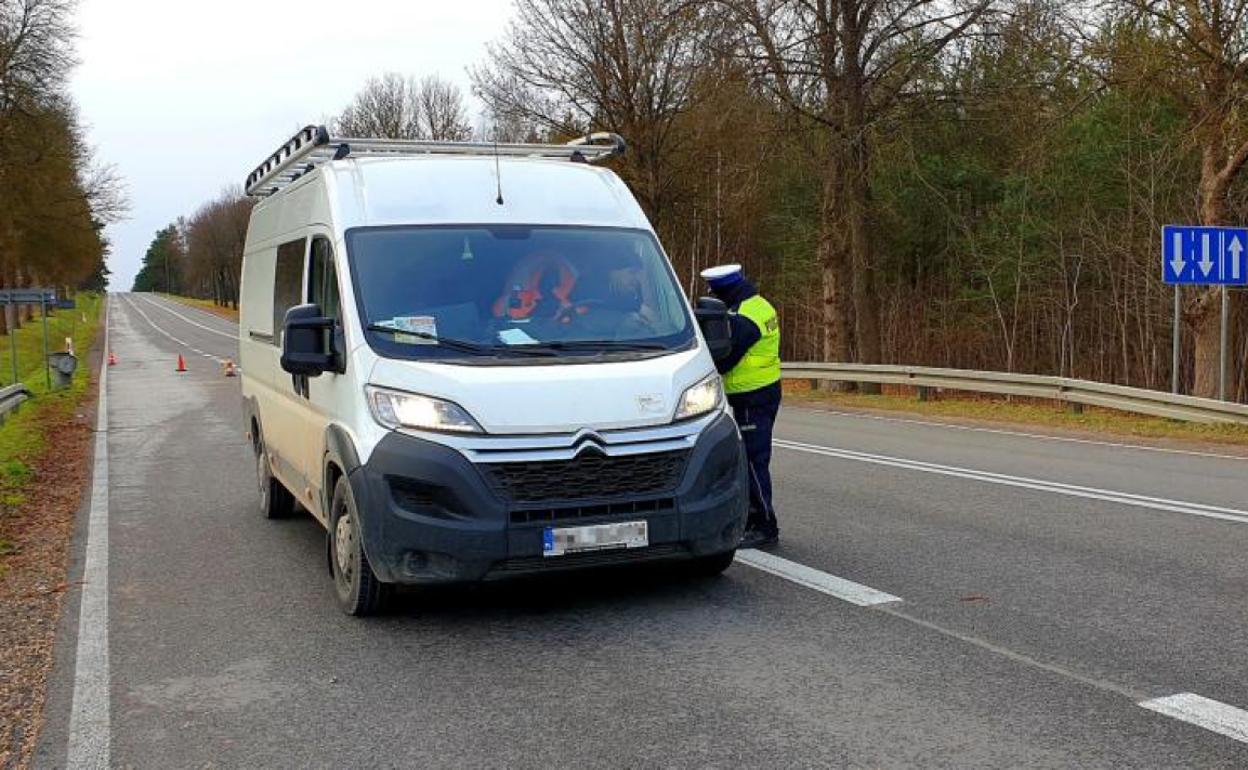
1031, 413
44, 467
205, 304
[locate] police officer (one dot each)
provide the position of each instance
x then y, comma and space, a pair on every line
752, 381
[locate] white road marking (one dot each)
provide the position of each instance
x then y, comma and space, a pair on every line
171, 311
89, 730
1039, 436
846, 590
1198, 710
1041, 485
183, 343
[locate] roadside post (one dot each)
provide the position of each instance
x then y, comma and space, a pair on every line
1204, 256
47, 362
10, 312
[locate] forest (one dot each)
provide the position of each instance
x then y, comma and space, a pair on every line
54, 200
964, 183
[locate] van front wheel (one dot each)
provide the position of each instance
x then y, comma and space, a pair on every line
359, 591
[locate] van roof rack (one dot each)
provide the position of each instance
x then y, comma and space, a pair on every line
313, 146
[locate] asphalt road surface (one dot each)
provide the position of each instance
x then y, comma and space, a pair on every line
941, 597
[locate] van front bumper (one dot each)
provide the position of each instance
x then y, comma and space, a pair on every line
430, 515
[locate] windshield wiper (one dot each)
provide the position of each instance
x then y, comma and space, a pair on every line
465, 346
605, 345
446, 342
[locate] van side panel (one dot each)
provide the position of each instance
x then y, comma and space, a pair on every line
278, 407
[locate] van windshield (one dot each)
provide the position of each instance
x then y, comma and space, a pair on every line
516, 292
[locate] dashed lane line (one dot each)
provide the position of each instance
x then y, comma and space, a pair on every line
1198, 710
89, 727
177, 340
190, 321
845, 590
1056, 487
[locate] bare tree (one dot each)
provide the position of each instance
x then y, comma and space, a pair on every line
213, 241
387, 107
569, 66
394, 106
440, 110
846, 64
36, 38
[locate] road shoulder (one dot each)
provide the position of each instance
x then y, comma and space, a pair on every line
40, 588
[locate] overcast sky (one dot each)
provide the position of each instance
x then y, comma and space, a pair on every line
185, 97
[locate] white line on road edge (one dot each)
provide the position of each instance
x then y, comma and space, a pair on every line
1212, 715
89, 711
1041, 485
1025, 434
846, 590
171, 311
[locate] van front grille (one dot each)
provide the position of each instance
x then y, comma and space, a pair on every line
587, 477
562, 514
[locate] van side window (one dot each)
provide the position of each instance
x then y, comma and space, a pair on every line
322, 280
287, 283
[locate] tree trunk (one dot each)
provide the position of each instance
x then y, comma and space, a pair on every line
835, 294
857, 200
1205, 310
1206, 324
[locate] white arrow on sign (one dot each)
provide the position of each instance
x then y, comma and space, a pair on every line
1206, 254
1236, 249
1176, 257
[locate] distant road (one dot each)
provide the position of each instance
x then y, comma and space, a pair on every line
941, 597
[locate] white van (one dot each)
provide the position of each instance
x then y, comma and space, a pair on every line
473, 361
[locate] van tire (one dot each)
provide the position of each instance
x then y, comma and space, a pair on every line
359, 591
276, 501
713, 565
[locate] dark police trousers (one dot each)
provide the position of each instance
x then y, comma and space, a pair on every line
756, 423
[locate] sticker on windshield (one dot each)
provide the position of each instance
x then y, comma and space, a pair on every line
425, 326
516, 337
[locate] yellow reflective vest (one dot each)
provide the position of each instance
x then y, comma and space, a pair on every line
760, 366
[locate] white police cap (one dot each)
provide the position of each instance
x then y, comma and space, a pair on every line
722, 274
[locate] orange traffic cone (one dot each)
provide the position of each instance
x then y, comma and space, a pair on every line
229, 368
112, 358
181, 364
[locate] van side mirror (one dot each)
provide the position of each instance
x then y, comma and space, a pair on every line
304, 349
712, 316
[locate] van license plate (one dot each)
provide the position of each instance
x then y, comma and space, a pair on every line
558, 541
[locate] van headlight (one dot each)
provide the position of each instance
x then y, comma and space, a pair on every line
396, 409
701, 398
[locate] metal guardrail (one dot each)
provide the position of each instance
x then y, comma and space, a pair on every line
1061, 389
11, 397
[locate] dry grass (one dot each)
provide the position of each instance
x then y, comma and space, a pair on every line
1030, 413
205, 304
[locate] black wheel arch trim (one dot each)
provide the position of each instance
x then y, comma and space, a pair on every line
251, 414
340, 451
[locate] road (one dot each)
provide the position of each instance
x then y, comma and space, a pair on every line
941, 597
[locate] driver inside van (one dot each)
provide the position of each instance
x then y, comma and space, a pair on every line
538, 287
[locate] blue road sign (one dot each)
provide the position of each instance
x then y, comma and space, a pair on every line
1205, 255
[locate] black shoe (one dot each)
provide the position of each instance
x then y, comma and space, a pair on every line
757, 538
